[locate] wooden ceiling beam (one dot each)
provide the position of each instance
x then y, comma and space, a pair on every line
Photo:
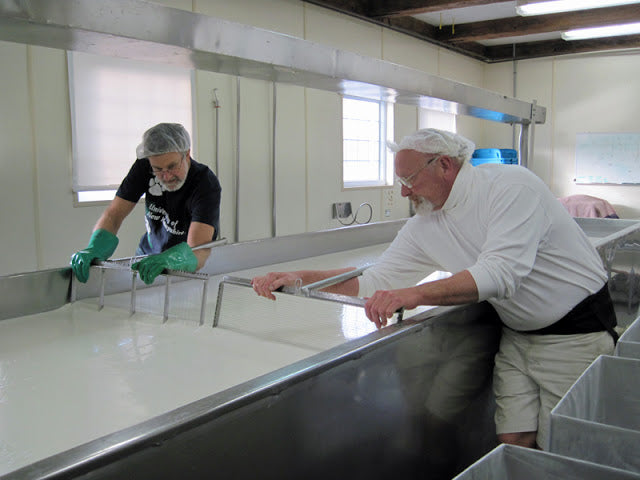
352, 7
426, 32
402, 8
465, 37
502, 53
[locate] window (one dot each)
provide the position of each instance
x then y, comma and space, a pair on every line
366, 126
113, 101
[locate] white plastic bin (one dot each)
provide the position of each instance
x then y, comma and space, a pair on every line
598, 419
629, 344
509, 462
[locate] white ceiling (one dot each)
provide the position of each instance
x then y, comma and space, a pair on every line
479, 13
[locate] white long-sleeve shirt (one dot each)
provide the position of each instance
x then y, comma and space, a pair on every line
527, 255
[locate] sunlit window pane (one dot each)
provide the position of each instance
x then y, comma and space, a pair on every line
365, 124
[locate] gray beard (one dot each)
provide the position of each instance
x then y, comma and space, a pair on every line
422, 206
175, 188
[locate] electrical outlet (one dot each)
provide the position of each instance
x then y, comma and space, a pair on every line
341, 210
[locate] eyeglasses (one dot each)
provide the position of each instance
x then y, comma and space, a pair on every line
171, 169
406, 181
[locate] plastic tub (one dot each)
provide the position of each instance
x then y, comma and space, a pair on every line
629, 343
598, 419
509, 462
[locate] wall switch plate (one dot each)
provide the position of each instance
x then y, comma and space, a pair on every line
341, 210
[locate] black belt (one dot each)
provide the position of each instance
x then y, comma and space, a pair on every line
593, 314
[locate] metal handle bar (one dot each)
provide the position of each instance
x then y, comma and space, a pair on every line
309, 291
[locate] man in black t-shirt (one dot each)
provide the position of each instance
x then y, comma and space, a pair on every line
182, 207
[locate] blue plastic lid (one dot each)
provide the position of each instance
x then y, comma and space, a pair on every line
481, 161
486, 153
508, 153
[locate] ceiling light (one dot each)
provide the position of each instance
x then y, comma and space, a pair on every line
598, 32
542, 7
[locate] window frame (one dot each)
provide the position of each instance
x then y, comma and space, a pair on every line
385, 157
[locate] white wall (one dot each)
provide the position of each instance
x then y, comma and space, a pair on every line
41, 227
595, 93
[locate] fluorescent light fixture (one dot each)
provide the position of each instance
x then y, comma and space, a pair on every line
598, 32
543, 7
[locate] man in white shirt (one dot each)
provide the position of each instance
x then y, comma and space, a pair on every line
507, 240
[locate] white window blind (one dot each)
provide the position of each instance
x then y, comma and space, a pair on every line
113, 101
366, 126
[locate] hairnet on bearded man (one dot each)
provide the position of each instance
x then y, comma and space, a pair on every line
431, 140
164, 138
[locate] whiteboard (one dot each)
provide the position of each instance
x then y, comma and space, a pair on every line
608, 158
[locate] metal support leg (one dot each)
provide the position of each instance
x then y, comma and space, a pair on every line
74, 288
132, 308
102, 281
165, 314
216, 316
203, 305
125, 264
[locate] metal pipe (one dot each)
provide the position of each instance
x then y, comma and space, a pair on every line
216, 315
237, 225
165, 313
216, 107
273, 164
327, 282
132, 307
215, 243
524, 145
131, 260
203, 305
306, 292
74, 288
533, 130
515, 74
102, 280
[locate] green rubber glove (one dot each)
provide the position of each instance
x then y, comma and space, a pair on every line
178, 257
101, 246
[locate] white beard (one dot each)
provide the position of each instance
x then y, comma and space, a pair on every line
422, 206
173, 187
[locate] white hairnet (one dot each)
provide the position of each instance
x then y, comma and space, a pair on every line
431, 140
163, 138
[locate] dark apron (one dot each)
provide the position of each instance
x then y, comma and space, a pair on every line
593, 314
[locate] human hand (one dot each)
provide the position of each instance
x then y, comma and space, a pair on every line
381, 306
101, 246
81, 263
178, 257
266, 284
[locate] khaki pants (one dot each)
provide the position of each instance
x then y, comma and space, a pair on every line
533, 372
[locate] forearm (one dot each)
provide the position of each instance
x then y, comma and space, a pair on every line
108, 222
202, 256
347, 287
112, 218
265, 285
456, 290
200, 234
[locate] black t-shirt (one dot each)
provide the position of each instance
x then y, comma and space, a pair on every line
168, 215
